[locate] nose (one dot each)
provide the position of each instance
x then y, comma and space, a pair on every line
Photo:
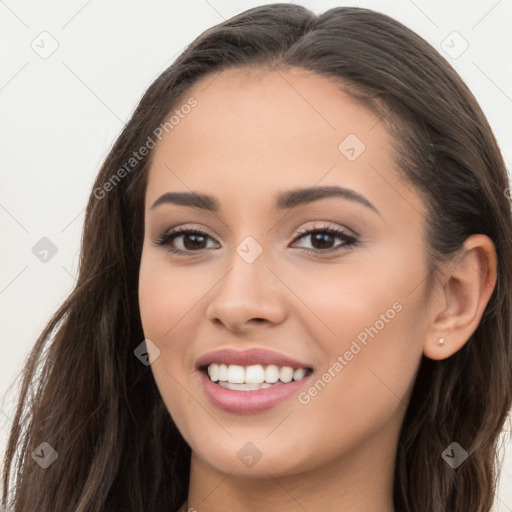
248, 295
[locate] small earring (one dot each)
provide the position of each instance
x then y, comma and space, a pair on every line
441, 341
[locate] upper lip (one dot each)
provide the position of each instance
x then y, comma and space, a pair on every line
248, 357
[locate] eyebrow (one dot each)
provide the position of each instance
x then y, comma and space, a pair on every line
284, 200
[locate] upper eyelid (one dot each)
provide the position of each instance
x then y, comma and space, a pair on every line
319, 226
324, 225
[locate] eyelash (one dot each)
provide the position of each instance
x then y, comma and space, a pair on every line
350, 241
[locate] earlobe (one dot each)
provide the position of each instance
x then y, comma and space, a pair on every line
468, 285
440, 348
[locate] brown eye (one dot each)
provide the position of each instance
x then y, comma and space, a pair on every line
192, 240
323, 238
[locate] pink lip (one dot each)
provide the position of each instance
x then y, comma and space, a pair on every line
248, 357
247, 402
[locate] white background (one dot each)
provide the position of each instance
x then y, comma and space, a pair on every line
61, 114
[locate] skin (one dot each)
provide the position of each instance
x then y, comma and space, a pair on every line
254, 134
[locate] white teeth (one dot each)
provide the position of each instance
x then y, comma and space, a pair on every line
223, 371
213, 372
236, 374
271, 373
286, 374
254, 376
244, 387
299, 374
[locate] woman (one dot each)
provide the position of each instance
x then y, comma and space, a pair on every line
340, 340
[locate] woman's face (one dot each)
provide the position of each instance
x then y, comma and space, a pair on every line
349, 304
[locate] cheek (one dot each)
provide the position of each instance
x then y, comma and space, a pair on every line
164, 299
338, 303
363, 387
370, 330
166, 295
171, 316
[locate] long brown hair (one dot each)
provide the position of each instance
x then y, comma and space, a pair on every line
85, 393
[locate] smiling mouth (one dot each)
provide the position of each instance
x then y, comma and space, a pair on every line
253, 377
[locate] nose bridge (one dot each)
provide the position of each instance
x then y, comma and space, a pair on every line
248, 289
247, 274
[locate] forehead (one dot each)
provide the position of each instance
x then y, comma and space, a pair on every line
253, 132
273, 110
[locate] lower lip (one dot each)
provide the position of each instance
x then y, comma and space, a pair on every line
248, 402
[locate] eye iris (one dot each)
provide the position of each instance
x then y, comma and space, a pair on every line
194, 237
324, 239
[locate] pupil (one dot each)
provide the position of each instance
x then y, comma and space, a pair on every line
322, 238
191, 237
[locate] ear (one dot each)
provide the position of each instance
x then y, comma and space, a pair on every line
466, 285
